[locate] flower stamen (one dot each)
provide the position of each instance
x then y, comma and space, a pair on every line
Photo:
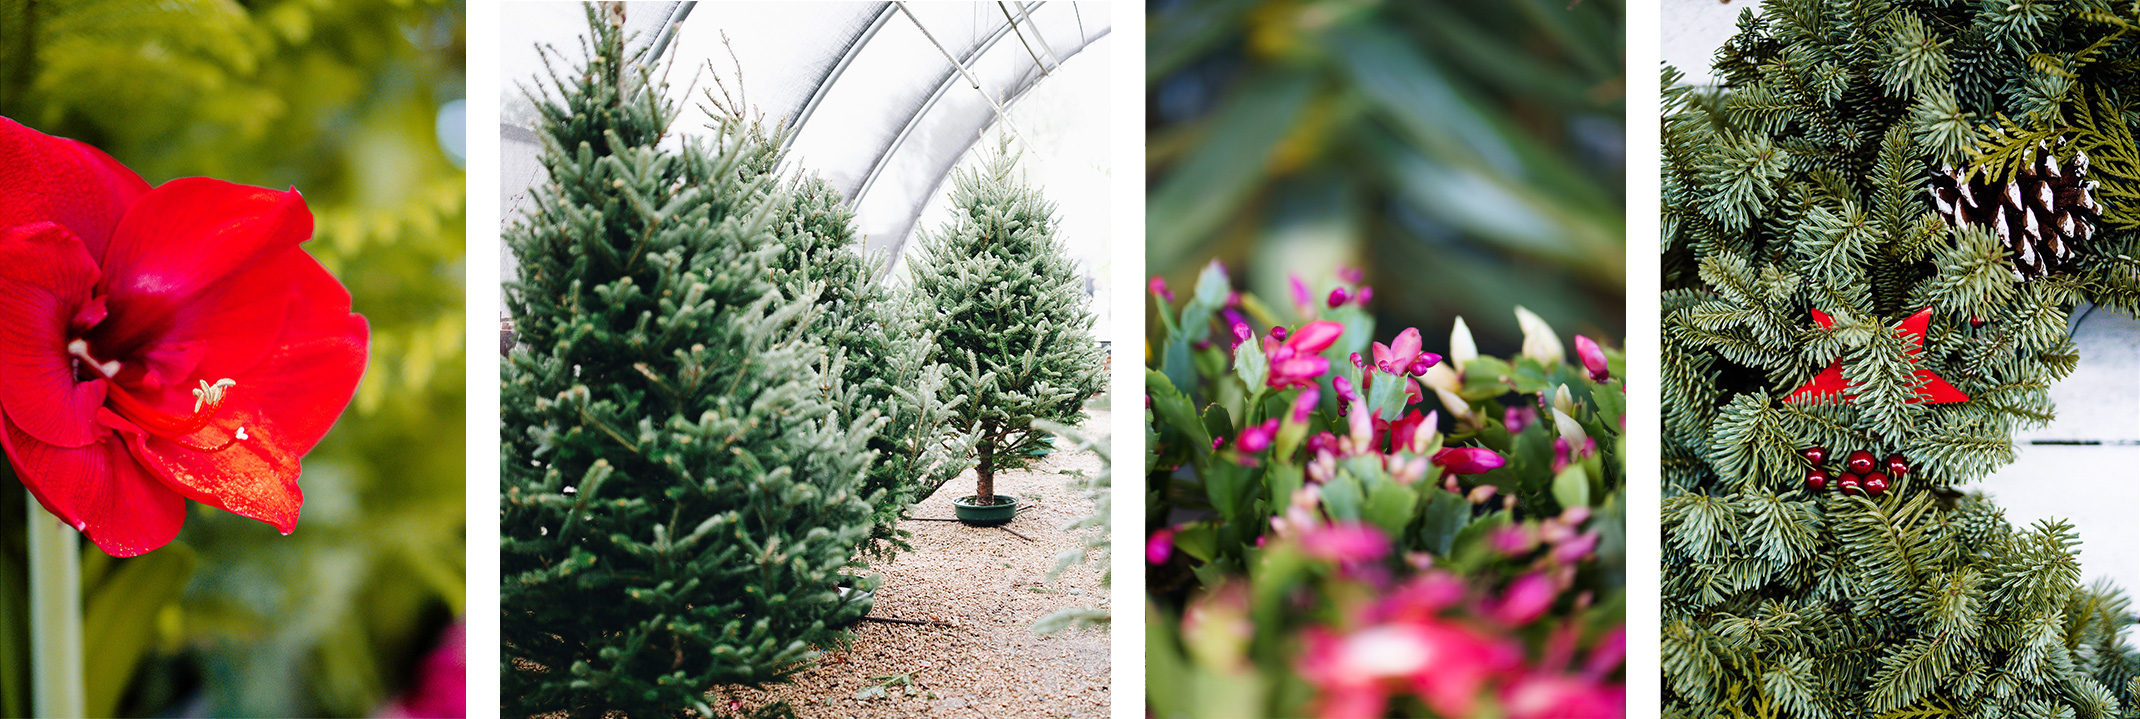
206, 400
79, 349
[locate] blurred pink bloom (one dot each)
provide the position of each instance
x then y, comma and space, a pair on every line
1158, 286
1444, 664
1525, 600
1468, 460
1593, 358
1305, 402
1322, 443
1519, 416
1364, 296
1420, 598
1241, 333
1350, 275
1303, 299
1576, 549
1557, 696
1346, 543
1337, 298
1256, 438
1514, 540
441, 688
1608, 654
1160, 547
1277, 334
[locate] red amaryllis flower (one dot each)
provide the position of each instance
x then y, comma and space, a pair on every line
161, 344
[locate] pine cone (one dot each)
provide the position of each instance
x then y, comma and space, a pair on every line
2042, 215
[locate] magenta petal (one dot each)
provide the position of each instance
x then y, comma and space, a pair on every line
1160, 547
1314, 337
1468, 460
1405, 348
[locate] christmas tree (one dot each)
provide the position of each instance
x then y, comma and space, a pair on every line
1010, 316
680, 489
1875, 230
879, 341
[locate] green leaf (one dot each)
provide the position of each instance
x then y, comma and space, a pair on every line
1572, 486
1197, 540
1389, 505
120, 618
1441, 516
1171, 407
1343, 497
1223, 483
1250, 365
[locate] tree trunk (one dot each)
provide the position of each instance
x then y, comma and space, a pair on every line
984, 485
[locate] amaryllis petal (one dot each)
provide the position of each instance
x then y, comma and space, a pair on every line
181, 241
45, 278
59, 180
99, 490
281, 411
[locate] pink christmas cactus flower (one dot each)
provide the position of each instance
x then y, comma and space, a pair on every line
1256, 438
1446, 665
1468, 460
1593, 358
1160, 547
1298, 360
1158, 286
1304, 404
1525, 600
1401, 357
1345, 543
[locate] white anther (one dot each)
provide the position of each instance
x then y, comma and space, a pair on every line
211, 394
241, 433
80, 350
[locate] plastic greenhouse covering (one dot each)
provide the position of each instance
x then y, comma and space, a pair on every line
877, 97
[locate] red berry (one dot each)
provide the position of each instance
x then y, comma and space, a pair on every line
1975, 321
1816, 479
1860, 462
1849, 484
1897, 466
1875, 484
1814, 454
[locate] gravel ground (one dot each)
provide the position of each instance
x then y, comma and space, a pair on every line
992, 586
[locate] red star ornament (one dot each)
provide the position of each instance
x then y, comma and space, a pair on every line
1930, 388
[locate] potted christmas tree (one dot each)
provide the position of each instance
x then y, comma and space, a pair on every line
877, 335
679, 491
1875, 232
1011, 323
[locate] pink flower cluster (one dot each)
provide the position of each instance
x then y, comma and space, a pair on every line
1436, 638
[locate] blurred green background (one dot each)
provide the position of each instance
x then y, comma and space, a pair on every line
358, 105
1469, 155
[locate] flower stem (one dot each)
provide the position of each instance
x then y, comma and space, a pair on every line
55, 615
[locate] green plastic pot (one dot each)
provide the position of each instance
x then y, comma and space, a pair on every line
985, 514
